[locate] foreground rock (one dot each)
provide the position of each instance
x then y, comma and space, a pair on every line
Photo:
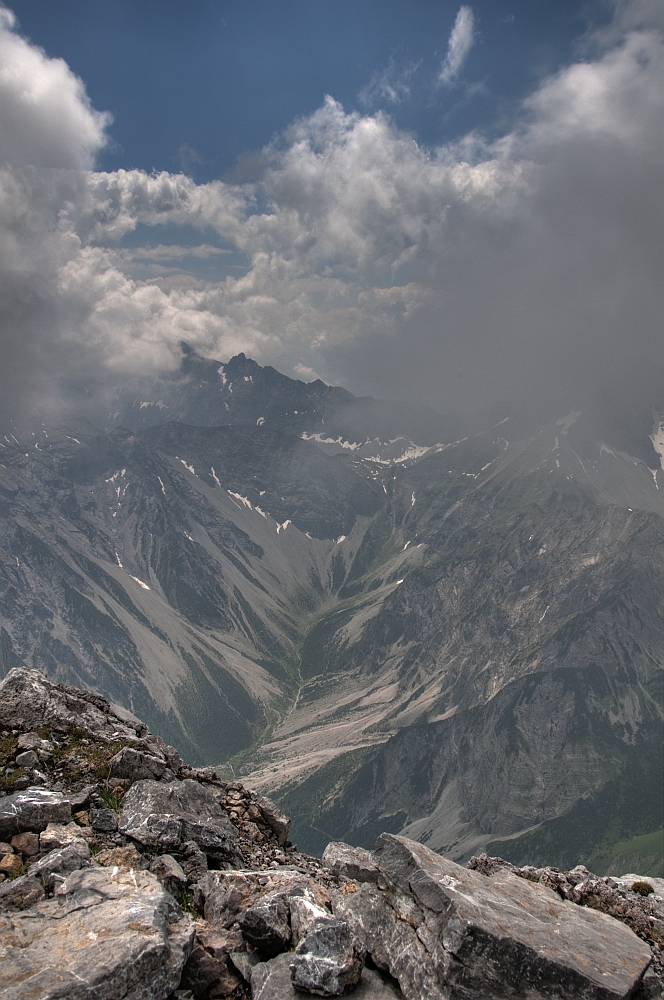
104, 934
444, 931
125, 874
166, 816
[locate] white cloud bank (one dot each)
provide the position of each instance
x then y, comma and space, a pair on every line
454, 275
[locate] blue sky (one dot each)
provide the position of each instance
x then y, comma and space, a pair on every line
223, 77
447, 202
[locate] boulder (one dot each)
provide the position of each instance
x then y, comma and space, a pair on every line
20, 893
209, 977
327, 962
266, 925
58, 835
32, 809
304, 911
103, 820
169, 873
225, 894
353, 862
137, 765
168, 815
272, 981
11, 864
104, 935
27, 759
446, 931
59, 863
26, 844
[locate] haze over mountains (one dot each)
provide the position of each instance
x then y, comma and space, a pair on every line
387, 618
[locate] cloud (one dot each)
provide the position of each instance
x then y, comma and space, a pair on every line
461, 41
391, 84
46, 119
455, 275
305, 373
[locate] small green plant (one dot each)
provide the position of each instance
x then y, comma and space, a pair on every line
112, 797
643, 888
18, 872
186, 901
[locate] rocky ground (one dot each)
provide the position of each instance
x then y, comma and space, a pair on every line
125, 874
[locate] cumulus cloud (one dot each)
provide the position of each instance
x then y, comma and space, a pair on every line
46, 118
454, 275
462, 38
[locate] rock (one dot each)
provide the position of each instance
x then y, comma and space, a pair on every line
169, 873
278, 822
209, 977
225, 894
103, 820
193, 861
11, 864
169, 815
303, 913
272, 981
105, 934
80, 800
136, 765
20, 894
443, 930
5, 849
27, 759
127, 858
244, 961
265, 925
26, 844
60, 863
33, 741
353, 862
32, 809
327, 962
28, 700
58, 835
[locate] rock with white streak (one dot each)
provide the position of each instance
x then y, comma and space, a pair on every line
32, 809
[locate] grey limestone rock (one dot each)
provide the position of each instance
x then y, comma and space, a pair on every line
61, 862
304, 911
27, 759
105, 934
327, 962
445, 931
103, 820
353, 862
266, 925
210, 972
138, 764
169, 873
21, 893
32, 809
168, 815
272, 981
28, 699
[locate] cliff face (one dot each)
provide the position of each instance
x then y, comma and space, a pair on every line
125, 873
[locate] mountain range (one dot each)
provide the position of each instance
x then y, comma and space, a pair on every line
386, 618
